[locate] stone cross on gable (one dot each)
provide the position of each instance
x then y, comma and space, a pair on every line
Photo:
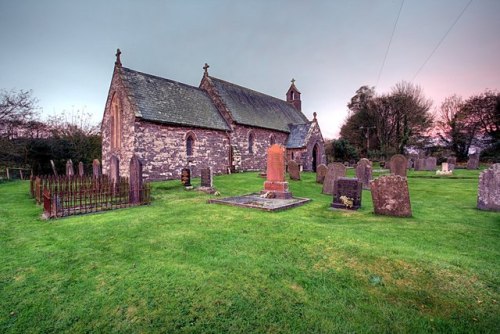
293, 81
206, 68
118, 61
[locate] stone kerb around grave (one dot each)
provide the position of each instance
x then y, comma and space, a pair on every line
335, 170
399, 165
390, 196
488, 196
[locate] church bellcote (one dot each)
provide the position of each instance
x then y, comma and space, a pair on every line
293, 96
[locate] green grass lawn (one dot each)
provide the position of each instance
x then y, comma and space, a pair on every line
181, 265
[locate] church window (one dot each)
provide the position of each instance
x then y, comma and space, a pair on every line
116, 124
272, 140
189, 145
250, 143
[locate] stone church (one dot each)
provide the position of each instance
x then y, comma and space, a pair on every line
169, 125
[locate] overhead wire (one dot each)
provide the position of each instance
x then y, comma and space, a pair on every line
442, 39
389, 45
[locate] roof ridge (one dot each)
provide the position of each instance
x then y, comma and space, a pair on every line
161, 78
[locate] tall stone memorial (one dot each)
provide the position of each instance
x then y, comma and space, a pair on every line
399, 165
335, 170
364, 172
390, 196
488, 195
275, 182
321, 173
294, 170
473, 162
135, 180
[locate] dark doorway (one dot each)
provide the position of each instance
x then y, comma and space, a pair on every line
315, 158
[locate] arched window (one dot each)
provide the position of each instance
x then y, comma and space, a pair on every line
189, 145
250, 143
116, 123
272, 140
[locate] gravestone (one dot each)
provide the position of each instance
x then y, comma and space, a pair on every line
473, 162
335, 170
294, 170
445, 167
275, 184
186, 177
114, 169
96, 168
81, 170
321, 173
387, 165
364, 172
399, 165
135, 180
69, 168
419, 164
451, 160
206, 177
430, 163
347, 193
390, 196
488, 196
54, 170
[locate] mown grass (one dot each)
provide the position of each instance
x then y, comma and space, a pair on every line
181, 265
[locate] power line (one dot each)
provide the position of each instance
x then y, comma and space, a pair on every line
389, 45
442, 39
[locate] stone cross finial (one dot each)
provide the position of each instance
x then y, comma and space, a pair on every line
314, 115
293, 81
118, 61
206, 68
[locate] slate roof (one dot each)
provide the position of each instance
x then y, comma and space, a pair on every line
166, 101
252, 108
298, 135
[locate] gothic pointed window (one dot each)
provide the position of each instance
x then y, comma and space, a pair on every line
250, 143
189, 145
116, 123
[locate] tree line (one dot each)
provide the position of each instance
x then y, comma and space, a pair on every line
28, 142
380, 125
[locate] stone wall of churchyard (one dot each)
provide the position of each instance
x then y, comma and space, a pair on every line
262, 140
314, 138
163, 150
124, 151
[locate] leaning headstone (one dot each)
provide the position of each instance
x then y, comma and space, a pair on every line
54, 170
488, 196
335, 170
294, 170
186, 177
81, 170
347, 193
206, 177
275, 184
69, 168
473, 162
135, 180
321, 173
390, 196
364, 172
430, 163
114, 169
96, 168
399, 165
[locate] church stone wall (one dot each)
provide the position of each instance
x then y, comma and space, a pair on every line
262, 140
315, 138
163, 150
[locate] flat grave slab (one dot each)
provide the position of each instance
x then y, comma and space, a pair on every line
255, 201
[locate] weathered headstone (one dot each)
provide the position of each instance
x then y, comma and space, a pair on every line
69, 168
335, 170
419, 164
430, 163
364, 172
275, 183
451, 160
96, 168
488, 195
206, 177
473, 162
54, 170
293, 170
445, 167
321, 173
390, 196
399, 165
81, 170
186, 177
347, 193
135, 180
114, 169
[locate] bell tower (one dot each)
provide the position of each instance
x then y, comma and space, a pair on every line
293, 96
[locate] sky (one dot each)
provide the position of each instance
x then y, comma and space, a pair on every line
64, 50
